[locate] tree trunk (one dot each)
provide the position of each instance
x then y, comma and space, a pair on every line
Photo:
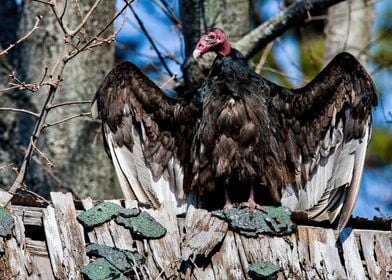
349, 29
74, 147
8, 120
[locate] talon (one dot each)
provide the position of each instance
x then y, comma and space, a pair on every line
227, 207
252, 206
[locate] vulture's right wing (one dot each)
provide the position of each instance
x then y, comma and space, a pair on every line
326, 127
147, 135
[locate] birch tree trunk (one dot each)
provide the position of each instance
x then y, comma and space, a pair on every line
349, 29
74, 147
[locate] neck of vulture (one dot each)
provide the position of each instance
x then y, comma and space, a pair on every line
226, 49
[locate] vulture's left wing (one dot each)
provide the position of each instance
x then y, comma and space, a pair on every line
325, 128
147, 135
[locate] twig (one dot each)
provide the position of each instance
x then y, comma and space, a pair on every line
9, 88
76, 51
56, 73
263, 57
67, 119
33, 87
69, 103
84, 20
24, 38
49, 171
42, 154
6, 166
53, 85
19, 111
170, 13
44, 76
169, 80
59, 17
144, 30
50, 3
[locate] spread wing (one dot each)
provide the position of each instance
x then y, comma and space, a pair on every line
147, 135
325, 127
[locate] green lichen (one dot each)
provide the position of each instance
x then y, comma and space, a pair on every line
101, 269
267, 219
123, 260
142, 225
7, 223
129, 212
99, 214
263, 270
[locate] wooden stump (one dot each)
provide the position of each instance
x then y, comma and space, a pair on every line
49, 243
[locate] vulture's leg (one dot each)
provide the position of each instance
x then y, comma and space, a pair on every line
251, 200
228, 204
251, 204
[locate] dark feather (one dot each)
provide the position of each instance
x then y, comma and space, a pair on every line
297, 138
147, 134
303, 148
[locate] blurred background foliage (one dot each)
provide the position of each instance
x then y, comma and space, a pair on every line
292, 60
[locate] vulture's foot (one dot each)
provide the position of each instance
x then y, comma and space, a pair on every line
252, 205
227, 207
264, 219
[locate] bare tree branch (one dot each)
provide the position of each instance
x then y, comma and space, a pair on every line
295, 14
19, 111
85, 19
75, 51
69, 103
24, 38
172, 78
42, 154
263, 57
10, 165
67, 119
168, 11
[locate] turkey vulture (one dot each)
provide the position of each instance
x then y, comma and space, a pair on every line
241, 136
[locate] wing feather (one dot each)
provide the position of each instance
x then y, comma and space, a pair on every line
334, 113
147, 135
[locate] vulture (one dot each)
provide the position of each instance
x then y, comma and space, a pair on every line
241, 137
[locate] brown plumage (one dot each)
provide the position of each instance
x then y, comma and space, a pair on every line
241, 136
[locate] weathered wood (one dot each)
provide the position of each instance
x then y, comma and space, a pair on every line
31, 216
226, 262
202, 233
198, 246
367, 239
55, 247
352, 259
383, 249
323, 260
68, 243
166, 250
16, 261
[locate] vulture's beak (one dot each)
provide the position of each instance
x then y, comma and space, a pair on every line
196, 54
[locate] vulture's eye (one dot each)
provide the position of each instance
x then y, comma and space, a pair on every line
211, 36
